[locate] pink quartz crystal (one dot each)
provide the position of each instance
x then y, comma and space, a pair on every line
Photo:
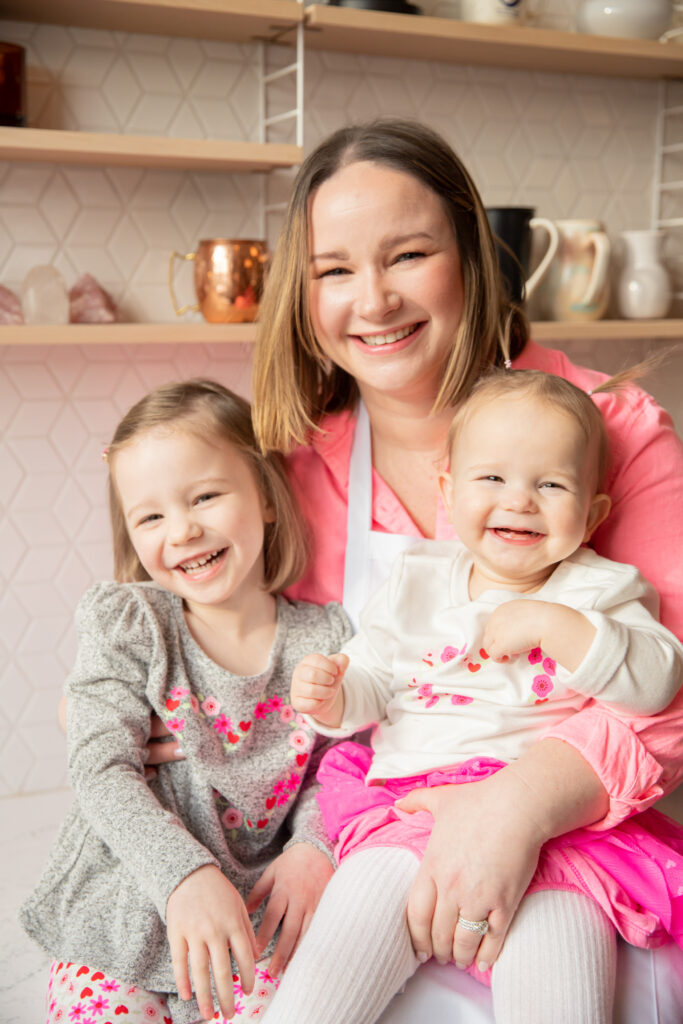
89, 303
10, 307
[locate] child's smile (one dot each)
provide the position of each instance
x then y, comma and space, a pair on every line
194, 514
521, 490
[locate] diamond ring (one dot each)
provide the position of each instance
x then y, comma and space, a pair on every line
480, 927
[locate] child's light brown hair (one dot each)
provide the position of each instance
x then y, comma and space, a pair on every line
207, 408
557, 393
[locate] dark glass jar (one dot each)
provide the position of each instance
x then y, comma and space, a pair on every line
12, 85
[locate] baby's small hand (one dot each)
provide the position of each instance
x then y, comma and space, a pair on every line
316, 687
514, 627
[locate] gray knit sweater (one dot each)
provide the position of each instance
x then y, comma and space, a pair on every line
245, 792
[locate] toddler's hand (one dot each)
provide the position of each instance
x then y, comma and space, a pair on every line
316, 687
205, 918
293, 884
514, 627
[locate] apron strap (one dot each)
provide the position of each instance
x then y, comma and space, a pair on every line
358, 517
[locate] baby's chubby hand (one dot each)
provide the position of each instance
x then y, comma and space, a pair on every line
316, 687
513, 628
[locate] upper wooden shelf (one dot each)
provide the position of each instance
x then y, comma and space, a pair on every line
544, 332
529, 49
227, 20
144, 150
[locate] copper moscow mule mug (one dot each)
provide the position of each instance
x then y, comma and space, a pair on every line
228, 279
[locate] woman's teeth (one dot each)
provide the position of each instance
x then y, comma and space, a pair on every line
199, 563
387, 339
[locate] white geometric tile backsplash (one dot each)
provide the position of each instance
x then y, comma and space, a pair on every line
569, 145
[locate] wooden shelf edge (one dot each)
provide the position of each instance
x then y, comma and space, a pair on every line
101, 149
520, 47
543, 332
128, 334
237, 21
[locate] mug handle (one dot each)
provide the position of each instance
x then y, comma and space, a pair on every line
601, 243
553, 243
179, 310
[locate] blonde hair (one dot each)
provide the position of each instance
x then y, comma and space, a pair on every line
206, 406
294, 385
556, 392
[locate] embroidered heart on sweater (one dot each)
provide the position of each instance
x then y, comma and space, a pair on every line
233, 737
270, 803
172, 704
245, 726
82, 970
483, 654
97, 976
262, 822
121, 1009
86, 992
301, 759
472, 667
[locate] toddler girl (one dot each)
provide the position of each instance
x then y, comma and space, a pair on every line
473, 650
143, 879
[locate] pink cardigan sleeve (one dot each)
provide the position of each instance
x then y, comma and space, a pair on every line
638, 759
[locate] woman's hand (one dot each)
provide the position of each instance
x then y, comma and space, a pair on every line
206, 918
479, 861
485, 845
293, 885
160, 749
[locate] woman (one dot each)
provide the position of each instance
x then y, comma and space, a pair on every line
385, 288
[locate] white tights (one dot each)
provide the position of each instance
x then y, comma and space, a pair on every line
558, 963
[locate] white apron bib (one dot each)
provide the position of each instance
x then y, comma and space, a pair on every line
369, 553
649, 983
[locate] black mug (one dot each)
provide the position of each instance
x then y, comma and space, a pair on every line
512, 227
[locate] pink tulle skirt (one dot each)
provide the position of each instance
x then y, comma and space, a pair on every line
634, 871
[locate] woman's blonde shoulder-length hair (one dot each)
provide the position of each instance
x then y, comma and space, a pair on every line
211, 410
294, 386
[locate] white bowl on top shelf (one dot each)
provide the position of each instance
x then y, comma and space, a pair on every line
632, 19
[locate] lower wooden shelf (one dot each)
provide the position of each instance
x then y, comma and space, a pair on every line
128, 334
544, 332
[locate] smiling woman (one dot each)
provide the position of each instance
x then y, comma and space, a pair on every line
383, 307
386, 286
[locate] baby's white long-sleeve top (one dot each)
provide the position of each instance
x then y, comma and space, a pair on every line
418, 668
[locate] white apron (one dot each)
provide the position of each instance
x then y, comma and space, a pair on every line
369, 553
649, 983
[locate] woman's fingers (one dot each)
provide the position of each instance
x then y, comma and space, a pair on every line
157, 729
163, 751
444, 923
420, 911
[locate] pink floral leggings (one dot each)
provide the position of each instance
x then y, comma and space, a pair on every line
78, 995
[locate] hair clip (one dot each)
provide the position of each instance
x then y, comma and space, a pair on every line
508, 364
589, 392
105, 454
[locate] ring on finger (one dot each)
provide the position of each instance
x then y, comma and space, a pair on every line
480, 927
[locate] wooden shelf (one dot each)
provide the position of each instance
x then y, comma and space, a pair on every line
549, 332
447, 39
144, 150
128, 334
545, 332
231, 20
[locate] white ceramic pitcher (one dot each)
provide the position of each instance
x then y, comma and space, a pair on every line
576, 286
